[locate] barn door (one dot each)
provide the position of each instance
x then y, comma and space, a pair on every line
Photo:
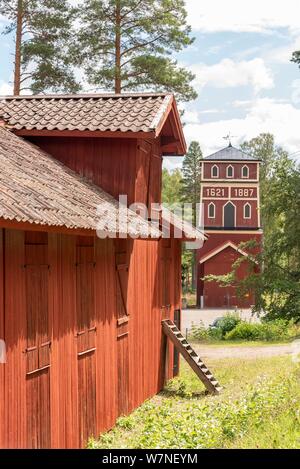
122, 326
38, 346
86, 341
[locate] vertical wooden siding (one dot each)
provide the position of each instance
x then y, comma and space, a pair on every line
86, 393
83, 397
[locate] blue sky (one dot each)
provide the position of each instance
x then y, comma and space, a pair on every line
245, 81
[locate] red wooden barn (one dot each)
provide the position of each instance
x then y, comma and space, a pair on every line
81, 316
230, 214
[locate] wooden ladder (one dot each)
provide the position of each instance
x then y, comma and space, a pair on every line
189, 354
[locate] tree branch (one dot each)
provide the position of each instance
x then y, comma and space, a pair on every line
132, 9
140, 45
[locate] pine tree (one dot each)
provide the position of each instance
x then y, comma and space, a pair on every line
42, 30
126, 45
191, 180
190, 191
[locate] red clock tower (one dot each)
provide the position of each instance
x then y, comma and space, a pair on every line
230, 213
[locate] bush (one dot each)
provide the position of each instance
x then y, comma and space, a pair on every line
268, 331
227, 324
244, 330
198, 332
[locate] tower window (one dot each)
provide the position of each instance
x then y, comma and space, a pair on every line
245, 172
211, 210
214, 171
247, 210
229, 171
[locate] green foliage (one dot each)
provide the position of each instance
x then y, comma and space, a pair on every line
278, 286
199, 332
46, 35
191, 177
265, 331
187, 260
127, 45
182, 419
231, 327
171, 187
227, 323
190, 191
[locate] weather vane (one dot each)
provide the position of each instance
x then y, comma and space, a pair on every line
229, 137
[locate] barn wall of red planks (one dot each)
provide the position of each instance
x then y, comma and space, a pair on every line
81, 317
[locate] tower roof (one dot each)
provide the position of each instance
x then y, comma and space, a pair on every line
231, 153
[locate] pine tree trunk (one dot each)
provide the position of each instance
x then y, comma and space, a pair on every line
17, 71
118, 48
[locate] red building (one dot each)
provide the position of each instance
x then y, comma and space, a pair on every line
230, 214
82, 316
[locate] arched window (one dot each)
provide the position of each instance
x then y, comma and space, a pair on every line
247, 210
229, 171
229, 215
245, 172
211, 210
214, 171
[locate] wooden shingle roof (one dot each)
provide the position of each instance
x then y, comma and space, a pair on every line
37, 189
96, 112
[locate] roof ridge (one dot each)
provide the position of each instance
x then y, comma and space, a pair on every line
84, 96
227, 153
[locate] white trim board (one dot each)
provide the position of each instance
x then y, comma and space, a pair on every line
221, 248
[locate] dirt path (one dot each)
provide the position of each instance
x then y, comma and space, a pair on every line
213, 352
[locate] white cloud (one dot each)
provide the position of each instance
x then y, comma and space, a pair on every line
191, 117
264, 115
283, 54
5, 88
242, 16
229, 74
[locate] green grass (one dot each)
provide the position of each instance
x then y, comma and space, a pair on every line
259, 407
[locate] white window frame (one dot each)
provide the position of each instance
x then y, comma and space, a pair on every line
214, 206
250, 211
245, 177
212, 171
230, 166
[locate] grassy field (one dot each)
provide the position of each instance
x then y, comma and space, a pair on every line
258, 408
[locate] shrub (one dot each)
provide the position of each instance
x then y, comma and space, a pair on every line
198, 332
267, 330
215, 333
228, 323
244, 330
